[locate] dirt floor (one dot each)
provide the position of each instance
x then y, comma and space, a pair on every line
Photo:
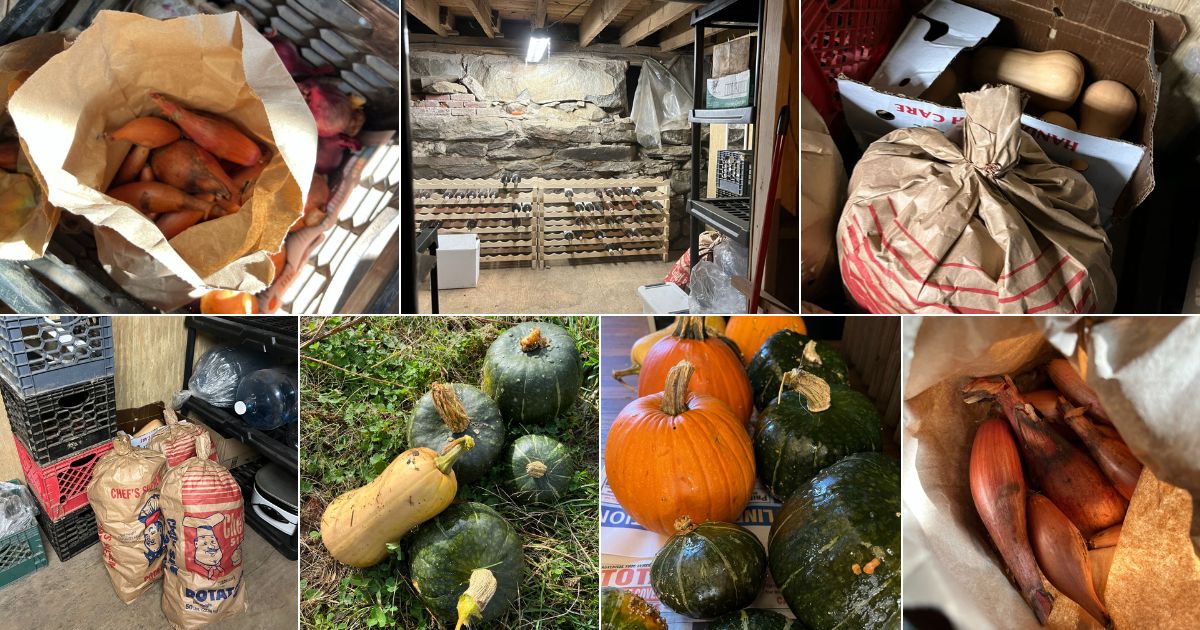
78, 594
593, 288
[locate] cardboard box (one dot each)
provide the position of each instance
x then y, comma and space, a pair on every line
458, 261
131, 421
1116, 40
230, 452
732, 57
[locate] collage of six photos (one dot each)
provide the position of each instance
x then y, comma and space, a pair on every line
598, 314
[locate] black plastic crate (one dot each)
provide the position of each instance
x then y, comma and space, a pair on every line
39, 354
72, 533
62, 421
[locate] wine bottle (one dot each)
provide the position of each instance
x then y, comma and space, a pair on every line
525, 207
569, 193
578, 206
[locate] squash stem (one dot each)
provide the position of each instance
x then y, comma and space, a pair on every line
813, 388
480, 589
537, 470
452, 451
690, 327
674, 400
533, 341
449, 407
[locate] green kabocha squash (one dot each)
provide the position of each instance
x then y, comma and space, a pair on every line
533, 372
809, 427
466, 564
783, 352
835, 546
448, 412
623, 610
752, 619
541, 468
709, 569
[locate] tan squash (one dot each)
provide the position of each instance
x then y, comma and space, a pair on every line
1062, 120
1106, 109
1052, 78
357, 526
637, 353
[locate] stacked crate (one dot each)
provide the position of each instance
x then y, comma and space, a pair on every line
56, 377
21, 553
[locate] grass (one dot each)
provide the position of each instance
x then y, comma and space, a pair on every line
359, 386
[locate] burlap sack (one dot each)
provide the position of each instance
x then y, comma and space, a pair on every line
212, 63
202, 507
124, 494
821, 197
993, 226
177, 440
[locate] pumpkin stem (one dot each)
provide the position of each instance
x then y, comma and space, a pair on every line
537, 470
813, 388
533, 341
450, 454
684, 524
674, 400
690, 327
480, 589
810, 353
449, 407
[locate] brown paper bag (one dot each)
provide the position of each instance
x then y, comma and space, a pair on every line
991, 226
217, 64
1145, 371
821, 199
25, 236
177, 441
124, 494
205, 517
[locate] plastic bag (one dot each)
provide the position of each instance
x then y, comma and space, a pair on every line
217, 374
712, 288
16, 508
660, 103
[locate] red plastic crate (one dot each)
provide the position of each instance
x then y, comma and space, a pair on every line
849, 37
61, 487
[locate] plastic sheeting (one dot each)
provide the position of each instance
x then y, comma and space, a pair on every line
711, 284
16, 508
660, 103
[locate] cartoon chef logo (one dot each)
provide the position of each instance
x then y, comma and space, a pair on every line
208, 544
152, 535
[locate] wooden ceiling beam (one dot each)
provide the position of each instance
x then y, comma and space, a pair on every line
599, 15
485, 15
429, 13
654, 18
681, 34
539, 13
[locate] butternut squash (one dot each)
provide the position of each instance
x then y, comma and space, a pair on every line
1052, 78
1106, 109
1062, 120
943, 90
357, 526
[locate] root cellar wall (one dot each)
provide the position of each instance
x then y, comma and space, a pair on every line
478, 115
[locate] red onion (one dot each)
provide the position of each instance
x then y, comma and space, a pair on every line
333, 110
331, 151
296, 65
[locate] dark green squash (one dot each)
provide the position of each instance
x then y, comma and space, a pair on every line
752, 619
811, 426
709, 569
785, 351
835, 546
533, 372
447, 412
541, 468
467, 545
624, 610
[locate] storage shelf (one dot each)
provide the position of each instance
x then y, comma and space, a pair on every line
269, 332
269, 444
288, 546
737, 14
731, 116
729, 215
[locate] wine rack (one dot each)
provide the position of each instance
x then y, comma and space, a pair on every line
503, 216
601, 219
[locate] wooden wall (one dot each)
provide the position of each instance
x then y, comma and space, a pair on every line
148, 352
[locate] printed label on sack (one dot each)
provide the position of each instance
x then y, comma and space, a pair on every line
212, 542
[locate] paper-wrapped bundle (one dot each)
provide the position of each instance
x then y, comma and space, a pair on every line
217, 64
991, 226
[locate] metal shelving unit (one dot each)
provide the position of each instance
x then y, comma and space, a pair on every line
730, 216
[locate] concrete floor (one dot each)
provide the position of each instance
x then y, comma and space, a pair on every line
589, 288
78, 594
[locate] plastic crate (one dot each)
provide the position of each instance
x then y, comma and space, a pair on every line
61, 487
72, 533
38, 354
63, 421
21, 553
849, 37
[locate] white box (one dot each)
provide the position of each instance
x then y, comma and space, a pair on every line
457, 261
663, 298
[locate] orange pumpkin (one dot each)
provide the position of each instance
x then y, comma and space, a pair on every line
750, 331
719, 370
679, 453
228, 303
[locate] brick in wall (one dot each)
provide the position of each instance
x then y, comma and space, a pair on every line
462, 97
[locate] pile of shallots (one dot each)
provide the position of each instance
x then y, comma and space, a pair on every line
1070, 495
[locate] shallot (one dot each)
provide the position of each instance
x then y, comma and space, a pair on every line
1063, 557
1113, 456
1067, 380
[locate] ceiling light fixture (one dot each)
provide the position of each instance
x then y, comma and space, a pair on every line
539, 46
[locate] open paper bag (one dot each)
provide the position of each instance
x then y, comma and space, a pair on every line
1146, 371
211, 63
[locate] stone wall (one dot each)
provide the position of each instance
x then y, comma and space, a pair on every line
480, 115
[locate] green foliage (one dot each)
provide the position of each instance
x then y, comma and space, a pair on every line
360, 385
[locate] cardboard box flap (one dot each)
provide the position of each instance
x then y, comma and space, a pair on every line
928, 44
1108, 19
